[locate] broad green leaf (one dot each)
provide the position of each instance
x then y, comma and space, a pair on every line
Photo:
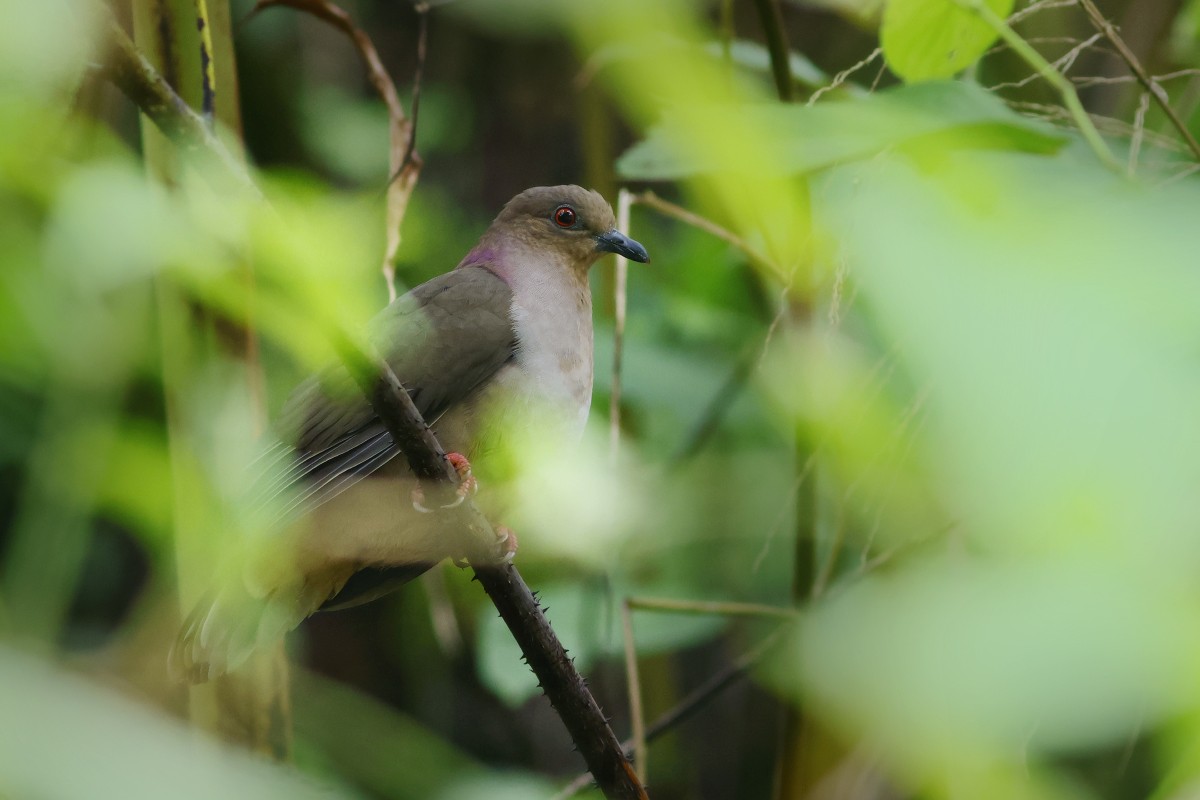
929, 39
801, 139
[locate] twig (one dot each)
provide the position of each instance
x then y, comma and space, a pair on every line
518, 607
1063, 63
728, 609
1139, 130
422, 10
138, 80
718, 405
841, 77
634, 684
624, 202
1110, 31
1052, 76
680, 213
1033, 8
208, 79
694, 701
772, 22
403, 168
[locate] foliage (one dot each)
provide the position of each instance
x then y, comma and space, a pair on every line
961, 435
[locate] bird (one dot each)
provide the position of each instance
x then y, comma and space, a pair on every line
500, 344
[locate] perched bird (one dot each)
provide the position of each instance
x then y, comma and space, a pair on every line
503, 342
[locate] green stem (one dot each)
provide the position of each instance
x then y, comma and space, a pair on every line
1052, 76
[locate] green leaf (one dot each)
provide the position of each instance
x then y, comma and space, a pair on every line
801, 139
929, 39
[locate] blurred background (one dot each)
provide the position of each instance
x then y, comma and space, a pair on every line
908, 396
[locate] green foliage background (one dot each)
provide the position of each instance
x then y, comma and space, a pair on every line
961, 434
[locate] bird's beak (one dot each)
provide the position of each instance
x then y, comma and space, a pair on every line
616, 242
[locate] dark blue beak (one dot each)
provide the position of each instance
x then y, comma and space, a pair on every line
616, 242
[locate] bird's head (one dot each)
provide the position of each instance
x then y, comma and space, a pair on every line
570, 220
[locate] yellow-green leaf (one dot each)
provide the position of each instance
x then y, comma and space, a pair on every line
927, 39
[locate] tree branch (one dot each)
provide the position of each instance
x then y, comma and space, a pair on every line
138, 80
519, 609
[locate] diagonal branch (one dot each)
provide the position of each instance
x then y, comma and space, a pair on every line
1152, 86
138, 80
563, 685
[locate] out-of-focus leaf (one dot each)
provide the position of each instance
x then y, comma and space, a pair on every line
117, 748
930, 39
1061, 443
801, 139
376, 747
748, 55
44, 45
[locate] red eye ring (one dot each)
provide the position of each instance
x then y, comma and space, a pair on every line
564, 217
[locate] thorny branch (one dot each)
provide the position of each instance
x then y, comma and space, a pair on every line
544, 653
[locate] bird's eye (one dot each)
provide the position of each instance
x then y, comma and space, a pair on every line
564, 216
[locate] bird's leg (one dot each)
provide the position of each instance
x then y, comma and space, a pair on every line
467, 484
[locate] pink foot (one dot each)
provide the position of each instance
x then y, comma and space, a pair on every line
467, 485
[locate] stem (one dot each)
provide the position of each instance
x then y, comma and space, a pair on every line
772, 22
1052, 76
624, 202
710, 607
695, 220
637, 720
1152, 86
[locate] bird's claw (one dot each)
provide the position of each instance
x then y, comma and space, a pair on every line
506, 542
506, 548
467, 485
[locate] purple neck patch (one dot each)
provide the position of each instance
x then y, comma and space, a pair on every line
486, 256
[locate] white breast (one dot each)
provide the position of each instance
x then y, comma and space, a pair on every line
552, 317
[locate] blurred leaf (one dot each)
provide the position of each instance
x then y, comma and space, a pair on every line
930, 39
45, 45
386, 752
801, 139
118, 748
998, 662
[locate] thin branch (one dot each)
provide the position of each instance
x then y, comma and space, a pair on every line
718, 406
1034, 59
1041, 5
841, 77
1063, 63
634, 684
138, 80
772, 22
694, 701
1110, 31
728, 609
680, 213
1139, 130
545, 655
422, 10
624, 201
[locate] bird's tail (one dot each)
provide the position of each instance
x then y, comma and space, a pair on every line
225, 628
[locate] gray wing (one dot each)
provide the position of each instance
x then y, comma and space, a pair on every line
444, 340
